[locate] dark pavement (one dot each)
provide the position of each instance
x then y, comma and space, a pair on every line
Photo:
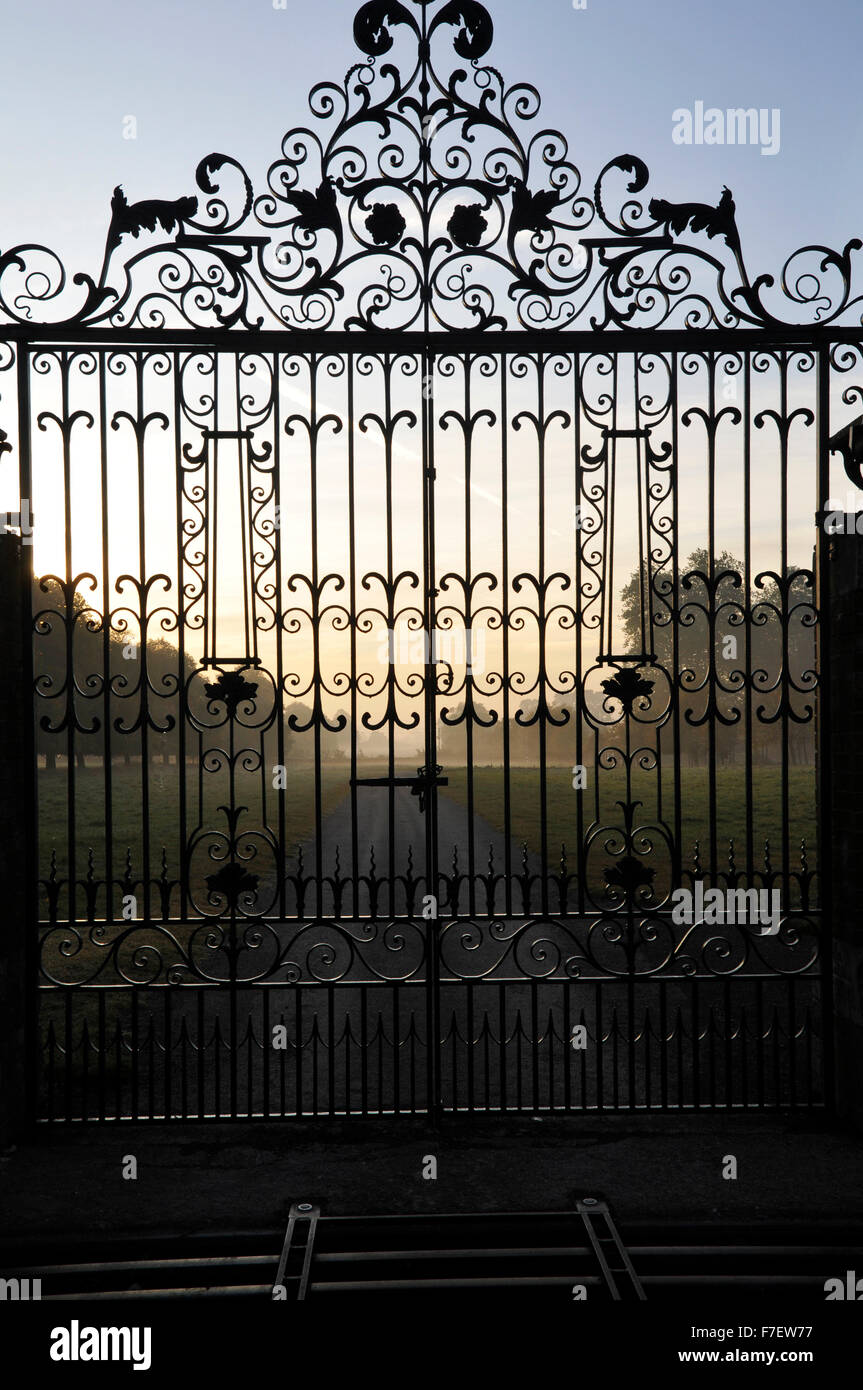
244, 1176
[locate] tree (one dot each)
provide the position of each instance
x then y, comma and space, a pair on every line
74, 673
776, 619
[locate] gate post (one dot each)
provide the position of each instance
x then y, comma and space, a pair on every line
17, 982
842, 749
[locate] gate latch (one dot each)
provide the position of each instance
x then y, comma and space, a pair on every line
427, 778
420, 785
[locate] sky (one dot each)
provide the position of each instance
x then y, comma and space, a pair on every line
233, 75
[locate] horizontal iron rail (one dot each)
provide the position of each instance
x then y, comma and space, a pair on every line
491, 1252
195, 1291
680, 978
510, 1281
399, 341
786, 1257
127, 1266
737, 1281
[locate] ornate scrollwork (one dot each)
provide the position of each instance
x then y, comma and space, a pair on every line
426, 199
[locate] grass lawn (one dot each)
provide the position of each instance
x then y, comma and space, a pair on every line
205, 797
601, 795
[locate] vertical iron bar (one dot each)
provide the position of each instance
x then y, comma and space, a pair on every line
600, 1085
748, 591
470, 1045
30, 792
502, 1044
824, 820
279, 504
542, 618
199, 1000
696, 1047
729, 1060
504, 625
267, 1046
664, 1041
352, 589
364, 1044
298, 1050
168, 1033
331, 1050
534, 1046
396, 1046
101, 1054
433, 926
578, 640
135, 1052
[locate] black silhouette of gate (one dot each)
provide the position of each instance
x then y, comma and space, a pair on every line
427, 619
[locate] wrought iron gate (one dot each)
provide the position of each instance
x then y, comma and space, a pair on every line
390, 682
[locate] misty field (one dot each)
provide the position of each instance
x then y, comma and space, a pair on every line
763, 831
730, 809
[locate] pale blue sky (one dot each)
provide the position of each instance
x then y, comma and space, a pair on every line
232, 75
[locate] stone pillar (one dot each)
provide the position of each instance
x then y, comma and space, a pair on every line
842, 844
17, 851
